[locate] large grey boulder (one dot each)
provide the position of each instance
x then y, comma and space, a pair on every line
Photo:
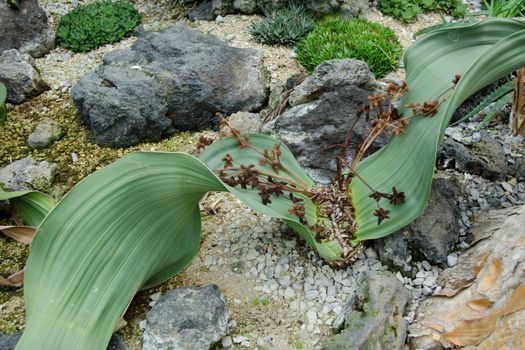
122, 106
374, 319
27, 173
311, 129
174, 79
485, 158
188, 318
332, 75
20, 76
25, 29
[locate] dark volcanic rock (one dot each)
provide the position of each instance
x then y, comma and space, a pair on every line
434, 233
430, 237
20, 76
174, 79
310, 129
25, 29
485, 158
122, 106
188, 318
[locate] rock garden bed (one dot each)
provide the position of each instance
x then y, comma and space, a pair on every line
254, 284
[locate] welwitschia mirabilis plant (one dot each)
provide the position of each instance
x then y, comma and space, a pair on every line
136, 222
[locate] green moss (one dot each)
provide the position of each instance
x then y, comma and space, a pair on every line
334, 38
12, 319
76, 139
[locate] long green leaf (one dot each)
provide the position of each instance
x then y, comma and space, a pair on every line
279, 207
482, 53
498, 105
494, 96
31, 206
131, 225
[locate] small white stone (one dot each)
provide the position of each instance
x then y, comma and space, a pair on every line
142, 324
418, 282
227, 342
155, 296
289, 293
370, 253
265, 341
219, 19
507, 187
312, 294
416, 293
452, 259
252, 255
399, 277
239, 339
311, 317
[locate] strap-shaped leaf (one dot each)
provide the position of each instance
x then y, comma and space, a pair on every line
131, 225
31, 206
481, 53
279, 206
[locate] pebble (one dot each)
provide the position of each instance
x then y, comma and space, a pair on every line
507, 187
238, 339
219, 19
426, 265
226, 342
311, 317
370, 253
452, 259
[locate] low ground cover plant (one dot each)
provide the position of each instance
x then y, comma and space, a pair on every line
91, 26
333, 38
136, 223
408, 10
282, 26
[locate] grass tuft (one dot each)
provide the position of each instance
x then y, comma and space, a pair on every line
335, 38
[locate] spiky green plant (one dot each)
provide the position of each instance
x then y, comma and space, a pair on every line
503, 8
282, 26
136, 222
